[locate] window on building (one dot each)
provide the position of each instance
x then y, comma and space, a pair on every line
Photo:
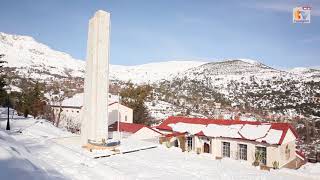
125, 118
261, 154
225, 149
242, 151
189, 143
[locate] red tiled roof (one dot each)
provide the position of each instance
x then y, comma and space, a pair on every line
174, 134
129, 127
301, 155
126, 127
176, 119
284, 127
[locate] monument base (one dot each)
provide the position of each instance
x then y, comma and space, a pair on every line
91, 147
98, 150
103, 145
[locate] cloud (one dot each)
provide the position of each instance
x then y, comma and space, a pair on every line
285, 6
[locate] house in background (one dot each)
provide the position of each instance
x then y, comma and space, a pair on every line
132, 130
270, 145
70, 110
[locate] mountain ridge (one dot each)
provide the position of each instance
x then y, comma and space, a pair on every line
23, 52
240, 83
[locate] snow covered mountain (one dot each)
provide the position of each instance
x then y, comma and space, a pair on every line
29, 58
227, 70
242, 83
249, 85
306, 73
152, 72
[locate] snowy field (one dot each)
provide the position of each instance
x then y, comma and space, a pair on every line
30, 151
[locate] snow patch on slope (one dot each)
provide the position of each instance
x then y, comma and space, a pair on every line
152, 72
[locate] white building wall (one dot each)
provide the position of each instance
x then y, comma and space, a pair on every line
289, 137
74, 114
126, 114
282, 154
287, 149
68, 114
274, 152
118, 135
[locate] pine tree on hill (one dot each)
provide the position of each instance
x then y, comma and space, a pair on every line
134, 97
31, 101
37, 101
3, 93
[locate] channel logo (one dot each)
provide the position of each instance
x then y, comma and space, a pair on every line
301, 15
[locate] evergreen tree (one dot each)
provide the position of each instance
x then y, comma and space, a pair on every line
3, 93
37, 101
31, 101
134, 97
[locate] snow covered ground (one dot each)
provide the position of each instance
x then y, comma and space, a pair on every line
30, 151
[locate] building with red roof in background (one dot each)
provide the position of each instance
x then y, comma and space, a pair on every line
132, 130
268, 144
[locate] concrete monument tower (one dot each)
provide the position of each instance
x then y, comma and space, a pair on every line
94, 126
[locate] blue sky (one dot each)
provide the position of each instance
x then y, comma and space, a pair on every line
146, 31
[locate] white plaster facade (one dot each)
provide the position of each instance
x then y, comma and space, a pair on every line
125, 113
73, 114
282, 154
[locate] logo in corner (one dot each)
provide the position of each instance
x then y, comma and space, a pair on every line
301, 15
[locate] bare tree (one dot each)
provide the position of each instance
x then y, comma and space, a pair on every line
57, 93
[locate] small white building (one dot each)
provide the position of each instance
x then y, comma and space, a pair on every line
70, 111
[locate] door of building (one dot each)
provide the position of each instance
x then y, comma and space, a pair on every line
206, 148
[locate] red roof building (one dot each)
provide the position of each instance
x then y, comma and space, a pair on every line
136, 130
284, 127
236, 139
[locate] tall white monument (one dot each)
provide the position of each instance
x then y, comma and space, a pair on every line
94, 124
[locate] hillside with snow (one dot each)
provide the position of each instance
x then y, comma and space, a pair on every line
240, 83
29, 58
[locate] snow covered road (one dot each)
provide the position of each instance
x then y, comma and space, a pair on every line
51, 160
